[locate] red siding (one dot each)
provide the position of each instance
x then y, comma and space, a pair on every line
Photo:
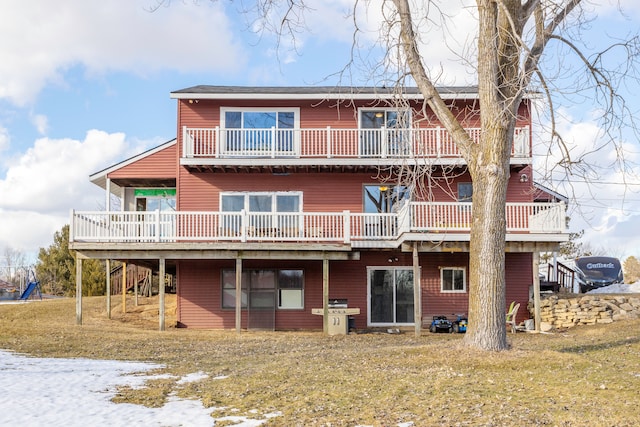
199, 288
519, 279
434, 301
199, 295
321, 192
162, 164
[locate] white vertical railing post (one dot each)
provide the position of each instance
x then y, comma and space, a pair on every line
157, 215
274, 141
404, 218
217, 145
329, 142
346, 226
184, 141
243, 225
438, 142
72, 226
384, 142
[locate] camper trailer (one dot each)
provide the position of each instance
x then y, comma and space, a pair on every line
596, 272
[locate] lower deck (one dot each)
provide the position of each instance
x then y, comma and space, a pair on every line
280, 290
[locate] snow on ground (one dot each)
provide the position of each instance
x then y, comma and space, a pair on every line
78, 392
618, 288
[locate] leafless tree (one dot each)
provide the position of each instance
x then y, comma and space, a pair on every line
13, 260
506, 51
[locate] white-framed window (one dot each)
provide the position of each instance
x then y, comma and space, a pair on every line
384, 132
290, 289
259, 131
268, 211
264, 288
453, 279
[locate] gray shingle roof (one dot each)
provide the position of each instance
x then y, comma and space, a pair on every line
210, 91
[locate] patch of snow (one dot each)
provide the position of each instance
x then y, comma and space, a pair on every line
191, 378
78, 392
618, 288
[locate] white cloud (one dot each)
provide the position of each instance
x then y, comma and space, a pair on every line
41, 123
604, 200
114, 35
5, 139
445, 31
49, 180
630, 8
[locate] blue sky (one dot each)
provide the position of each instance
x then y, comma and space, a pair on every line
85, 84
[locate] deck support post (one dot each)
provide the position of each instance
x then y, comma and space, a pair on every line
135, 287
108, 291
325, 295
161, 285
124, 287
78, 291
238, 294
417, 292
536, 290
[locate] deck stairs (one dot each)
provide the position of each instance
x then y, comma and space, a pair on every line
558, 279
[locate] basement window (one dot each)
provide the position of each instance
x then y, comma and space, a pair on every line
265, 288
453, 279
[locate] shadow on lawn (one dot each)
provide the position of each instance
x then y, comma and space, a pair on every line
598, 346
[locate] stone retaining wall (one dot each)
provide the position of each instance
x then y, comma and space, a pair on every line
566, 312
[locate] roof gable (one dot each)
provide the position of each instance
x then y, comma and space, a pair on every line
158, 163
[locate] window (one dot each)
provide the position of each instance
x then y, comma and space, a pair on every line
290, 289
151, 199
453, 279
259, 131
465, 192
261, 208
260, 285
382, 198
394, 141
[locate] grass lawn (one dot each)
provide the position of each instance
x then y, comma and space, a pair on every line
585, 376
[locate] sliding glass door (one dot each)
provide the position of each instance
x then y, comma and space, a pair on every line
390, 296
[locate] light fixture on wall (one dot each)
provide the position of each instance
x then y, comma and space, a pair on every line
191, 101
393, 259
524, 177
379, 114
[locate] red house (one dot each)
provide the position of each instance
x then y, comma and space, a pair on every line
275, 201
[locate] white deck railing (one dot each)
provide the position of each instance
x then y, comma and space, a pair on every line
332, 143
310, 227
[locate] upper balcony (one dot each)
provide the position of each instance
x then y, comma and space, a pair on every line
219, 147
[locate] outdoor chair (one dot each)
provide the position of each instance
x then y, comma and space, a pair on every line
511, 316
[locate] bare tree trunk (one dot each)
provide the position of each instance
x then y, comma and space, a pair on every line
499, 90
487, 327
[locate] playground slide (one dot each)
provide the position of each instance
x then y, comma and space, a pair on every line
30, 288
